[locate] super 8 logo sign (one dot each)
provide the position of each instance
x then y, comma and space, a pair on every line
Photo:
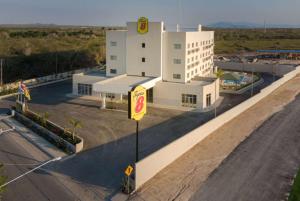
142, 25
137, 103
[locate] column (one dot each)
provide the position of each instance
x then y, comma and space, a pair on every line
103, 96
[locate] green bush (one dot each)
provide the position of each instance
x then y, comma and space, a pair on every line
295, 193
2, 180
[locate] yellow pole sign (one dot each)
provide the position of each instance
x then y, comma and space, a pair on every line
142, 25
128, 170
137, 103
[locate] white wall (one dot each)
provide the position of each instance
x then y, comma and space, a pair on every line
84, 79
148, 167
198, 51
277, 69
169, 68
152, 52
119, 50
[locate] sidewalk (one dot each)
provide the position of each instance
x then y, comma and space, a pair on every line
45, 146
181, 179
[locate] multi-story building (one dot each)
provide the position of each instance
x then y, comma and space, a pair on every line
176, 67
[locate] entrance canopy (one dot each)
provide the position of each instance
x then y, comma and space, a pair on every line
124, 83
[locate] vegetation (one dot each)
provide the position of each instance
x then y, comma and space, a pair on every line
42, 120
35, 52
75, 125
295, 193
2, 180
230, 41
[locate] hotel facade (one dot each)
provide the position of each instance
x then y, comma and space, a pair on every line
176, 67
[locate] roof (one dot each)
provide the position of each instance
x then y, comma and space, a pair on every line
124, 83
278, 51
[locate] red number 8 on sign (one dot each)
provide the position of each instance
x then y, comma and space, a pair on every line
139, 104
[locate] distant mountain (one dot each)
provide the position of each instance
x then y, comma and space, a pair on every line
248, 25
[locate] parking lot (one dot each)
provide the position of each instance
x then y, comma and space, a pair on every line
109, 136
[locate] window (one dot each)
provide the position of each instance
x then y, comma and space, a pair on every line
192, 45
113, 71
188, 46
113, 57
84, 89
143, 45
177, 61
143, 74
177, 46
208, 100
113, 43
110, 95
176, 76
189, 99
188, 75
143, 59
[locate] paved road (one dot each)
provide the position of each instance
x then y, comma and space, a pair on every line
19, 156
261, 168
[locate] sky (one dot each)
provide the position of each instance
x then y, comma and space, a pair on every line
117, 12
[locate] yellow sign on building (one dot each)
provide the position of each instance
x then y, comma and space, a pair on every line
137, 103
142, 25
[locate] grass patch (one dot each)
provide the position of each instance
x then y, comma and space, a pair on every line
295, 193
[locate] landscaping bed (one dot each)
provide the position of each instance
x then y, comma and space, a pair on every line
60, 137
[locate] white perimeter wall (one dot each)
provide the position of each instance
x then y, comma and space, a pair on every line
277, 69
154, 163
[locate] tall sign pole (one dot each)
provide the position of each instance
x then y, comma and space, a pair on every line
1, 81
137, 108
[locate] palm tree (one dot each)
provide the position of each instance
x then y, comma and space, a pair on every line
44, 118
219, 73
75, 124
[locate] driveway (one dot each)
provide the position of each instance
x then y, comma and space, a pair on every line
262, 167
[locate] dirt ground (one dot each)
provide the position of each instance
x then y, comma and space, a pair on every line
186, 176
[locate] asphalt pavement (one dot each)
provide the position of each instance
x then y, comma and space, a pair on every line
263, 166
19, 156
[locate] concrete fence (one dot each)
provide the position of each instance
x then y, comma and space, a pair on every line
45, 79
154, 163
278, 70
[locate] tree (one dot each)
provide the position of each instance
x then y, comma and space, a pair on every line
45, 118
2, 180
75, 124
219, 73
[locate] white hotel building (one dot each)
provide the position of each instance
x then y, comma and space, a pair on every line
175, 67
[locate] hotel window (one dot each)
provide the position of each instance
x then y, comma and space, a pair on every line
85, 89
176, 76
188, 46
113, 71
110, 95
208, 100
192, 45
143, 59
177, 46
188, 75
113, 57
113, 43
177, 61
196, 44
143, 45
189, 99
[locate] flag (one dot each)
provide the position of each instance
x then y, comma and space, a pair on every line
24, 90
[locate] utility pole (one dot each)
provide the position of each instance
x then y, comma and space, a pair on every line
1, 79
